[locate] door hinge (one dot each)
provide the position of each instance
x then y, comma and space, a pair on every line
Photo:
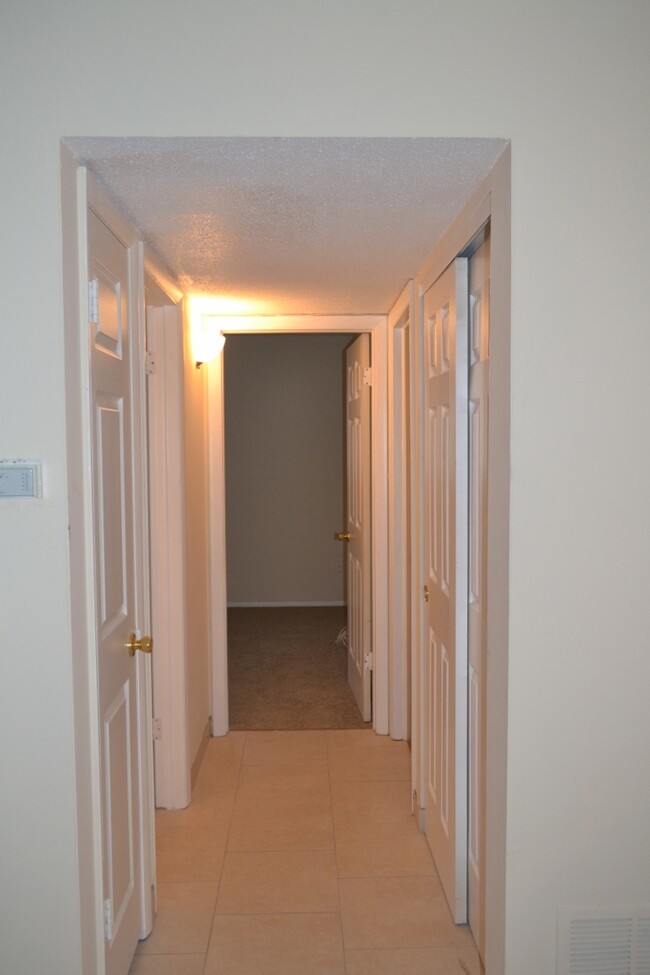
368, 660
367, 376
156, 726
93, 301
108, 919
149, 364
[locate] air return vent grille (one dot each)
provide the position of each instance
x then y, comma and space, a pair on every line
604, 942
643, 945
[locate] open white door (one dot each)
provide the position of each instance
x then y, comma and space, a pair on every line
357, 419
166, 443
445, 588
118, 510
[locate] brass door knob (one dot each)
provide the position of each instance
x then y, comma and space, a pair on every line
342, 536
426, 594
145, 644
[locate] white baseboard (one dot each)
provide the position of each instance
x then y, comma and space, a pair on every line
278, 605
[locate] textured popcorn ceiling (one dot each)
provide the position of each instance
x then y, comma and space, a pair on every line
291, 225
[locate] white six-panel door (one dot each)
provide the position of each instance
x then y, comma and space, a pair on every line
445, 586
357, 418
115, 555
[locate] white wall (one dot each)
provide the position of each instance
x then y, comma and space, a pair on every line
569, 84
196, 548
285, 484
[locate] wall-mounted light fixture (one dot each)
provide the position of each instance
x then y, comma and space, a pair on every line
207, 337
207, 341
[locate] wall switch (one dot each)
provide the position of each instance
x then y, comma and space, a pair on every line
20, 479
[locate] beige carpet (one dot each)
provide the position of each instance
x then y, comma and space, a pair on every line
286, 672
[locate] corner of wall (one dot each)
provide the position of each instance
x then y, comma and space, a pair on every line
197, 530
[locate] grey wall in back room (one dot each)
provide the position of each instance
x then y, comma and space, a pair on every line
284, 468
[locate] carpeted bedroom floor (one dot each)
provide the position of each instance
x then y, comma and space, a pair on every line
286, 671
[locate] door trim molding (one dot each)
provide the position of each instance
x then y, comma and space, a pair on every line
82, 586
490, 202
400, 499
376, 326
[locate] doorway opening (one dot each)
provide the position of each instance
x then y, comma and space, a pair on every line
493, 198
340, 329
285, 474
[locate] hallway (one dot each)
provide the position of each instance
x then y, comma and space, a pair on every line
299, 856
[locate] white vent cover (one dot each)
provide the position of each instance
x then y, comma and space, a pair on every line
596, 941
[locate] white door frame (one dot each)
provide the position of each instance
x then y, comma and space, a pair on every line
376, 325
401, 482
490, 202
79, 191
358, 520
478, 409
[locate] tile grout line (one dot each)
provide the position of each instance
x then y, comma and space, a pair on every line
225, 850
336, 859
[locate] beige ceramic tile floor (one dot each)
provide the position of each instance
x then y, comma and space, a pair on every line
299, 856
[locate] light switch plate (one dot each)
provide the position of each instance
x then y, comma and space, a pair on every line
21, 479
